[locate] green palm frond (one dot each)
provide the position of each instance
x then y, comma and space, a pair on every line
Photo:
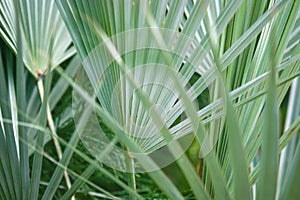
243, 33
40, 24
147, 68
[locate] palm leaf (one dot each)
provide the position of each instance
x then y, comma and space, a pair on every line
125, 47
40, 21
241, 43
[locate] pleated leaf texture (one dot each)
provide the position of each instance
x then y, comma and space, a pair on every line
44, 33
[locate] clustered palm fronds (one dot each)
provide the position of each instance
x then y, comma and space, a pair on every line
239, 57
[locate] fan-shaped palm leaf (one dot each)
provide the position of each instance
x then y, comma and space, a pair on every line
242, 31
40, 24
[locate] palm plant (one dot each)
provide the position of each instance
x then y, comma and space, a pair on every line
245, 53
44, 42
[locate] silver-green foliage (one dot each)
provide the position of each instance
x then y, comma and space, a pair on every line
256, 51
